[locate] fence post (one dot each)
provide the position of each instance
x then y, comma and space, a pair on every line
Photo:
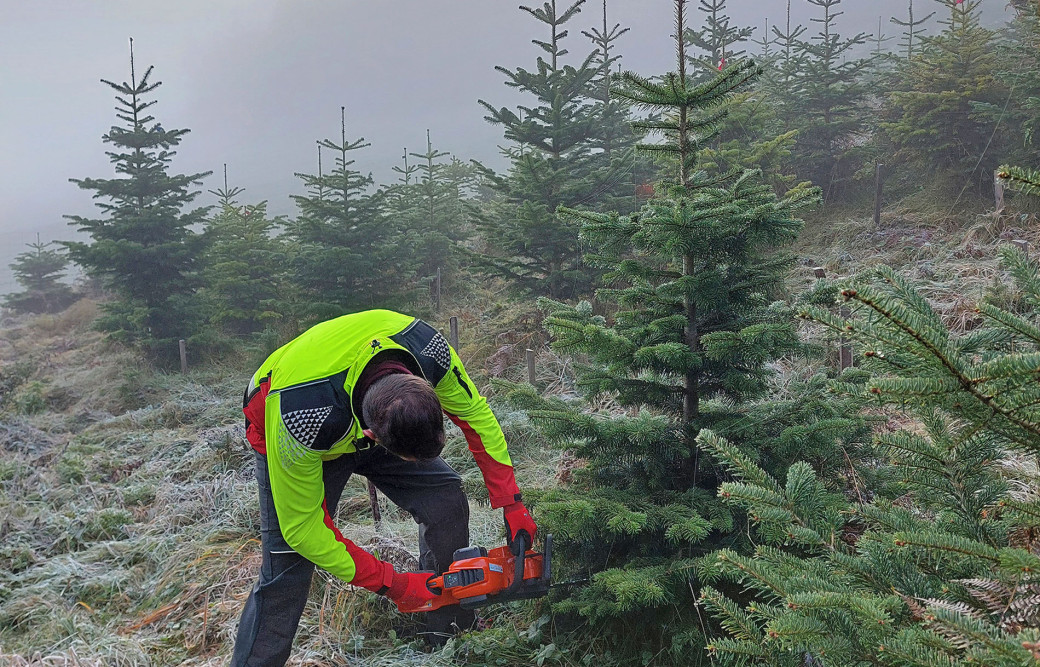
998, 191
453, 332
184, 355
878, 189
530, 366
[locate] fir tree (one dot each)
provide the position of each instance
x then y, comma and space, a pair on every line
613, 131
751, 135
406, 170
344, 248
1018, 69
613, 138
790, 57
691, 276
39, 271
782, 70
432, 209
766, 55
924, 570
879, 39
551, 165
243, 279
931, 116
824, 100
144, 248
911, 30
718, 42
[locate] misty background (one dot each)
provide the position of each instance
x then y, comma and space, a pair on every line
258, 81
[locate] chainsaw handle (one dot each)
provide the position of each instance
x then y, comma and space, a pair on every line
435, 584
523, 541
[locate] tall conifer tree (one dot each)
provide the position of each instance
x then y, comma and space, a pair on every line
144, 248
551, 165
751, 136
912, 30
39, 271
613, 131
431, 206
781, 82
244, 276
879, 39
691, 275
931, 116
344, 248
622, 170
826, 96
1019, 70
789, 57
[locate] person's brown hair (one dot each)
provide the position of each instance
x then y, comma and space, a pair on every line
405, 414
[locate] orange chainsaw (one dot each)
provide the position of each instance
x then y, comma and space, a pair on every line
477, 577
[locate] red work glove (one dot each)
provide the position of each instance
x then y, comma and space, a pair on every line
518, 520
410, 589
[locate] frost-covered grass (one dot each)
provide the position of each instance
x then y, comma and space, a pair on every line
128, 519
955, 261
129, 525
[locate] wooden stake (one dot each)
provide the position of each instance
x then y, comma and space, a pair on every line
1022, 244
998, 191
845, 352
530, 367
820, 272
437, 289
184, 355
878, 187
373, 500
453, 332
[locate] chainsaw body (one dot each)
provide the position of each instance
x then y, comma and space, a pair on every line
477, 577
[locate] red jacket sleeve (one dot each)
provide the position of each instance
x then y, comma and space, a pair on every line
471, 413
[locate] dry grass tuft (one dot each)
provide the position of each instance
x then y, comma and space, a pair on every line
955, 263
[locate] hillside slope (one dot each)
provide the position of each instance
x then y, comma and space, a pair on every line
130, 529
128, 520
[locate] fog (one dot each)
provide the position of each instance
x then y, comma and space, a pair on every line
258, 81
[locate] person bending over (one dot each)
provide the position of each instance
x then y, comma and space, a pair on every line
363, 393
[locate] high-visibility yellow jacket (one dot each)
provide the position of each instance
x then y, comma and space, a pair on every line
310, 416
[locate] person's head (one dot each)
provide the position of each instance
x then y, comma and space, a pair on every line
403, 414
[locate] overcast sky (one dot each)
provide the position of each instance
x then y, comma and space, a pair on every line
258, 81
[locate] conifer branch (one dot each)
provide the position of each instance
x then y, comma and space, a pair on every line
948, 543
1026, 181
966, 383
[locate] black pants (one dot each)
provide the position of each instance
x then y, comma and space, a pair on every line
430, 491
